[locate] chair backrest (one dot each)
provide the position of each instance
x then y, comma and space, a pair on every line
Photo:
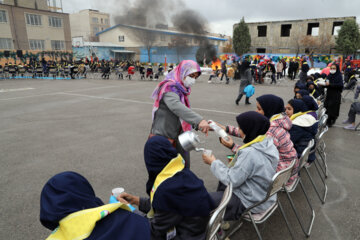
218, 214
320, 136
305, 155
322, 123
322, 113
280, 179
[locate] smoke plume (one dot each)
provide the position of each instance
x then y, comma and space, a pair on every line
153, 13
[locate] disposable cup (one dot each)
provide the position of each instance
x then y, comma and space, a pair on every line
117, 191
207, 152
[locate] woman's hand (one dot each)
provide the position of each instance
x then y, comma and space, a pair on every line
128, 198
204, 127
229, 143
208, 159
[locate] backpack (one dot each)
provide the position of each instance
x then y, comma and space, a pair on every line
249, 90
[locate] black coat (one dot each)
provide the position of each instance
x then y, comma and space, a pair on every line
333, 96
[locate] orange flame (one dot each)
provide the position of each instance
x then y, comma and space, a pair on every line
216, 63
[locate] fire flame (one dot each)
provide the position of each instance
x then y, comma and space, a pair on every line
216, 63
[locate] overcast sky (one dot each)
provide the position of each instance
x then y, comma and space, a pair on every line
222, 14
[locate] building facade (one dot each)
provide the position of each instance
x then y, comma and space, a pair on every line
29, 25
295, 36
87, 23
154, 44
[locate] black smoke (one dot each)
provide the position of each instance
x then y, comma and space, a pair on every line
151, 13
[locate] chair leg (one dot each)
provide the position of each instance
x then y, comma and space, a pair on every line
322, 199
323, 158
284, 216
307, 231
256, 228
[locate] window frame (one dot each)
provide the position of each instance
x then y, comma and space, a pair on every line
3, 16
36, 44
33, 19
121, 38
9, 43
55, 22
285, 30
258, 29
57, 43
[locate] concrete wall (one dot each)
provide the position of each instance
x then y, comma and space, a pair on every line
82, 25
34, 4
21, 32
133, 38
275, 43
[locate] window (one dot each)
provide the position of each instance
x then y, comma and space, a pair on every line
3, 16
261, 50
57, 45
6, 43
313, 29
163, 37
37, 44
96, 30
106, 21
33, 19
95, 20
285, 30
336, 28
55, 22
121, 38
102, 21
262, 31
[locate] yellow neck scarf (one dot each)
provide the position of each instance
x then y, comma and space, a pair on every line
79, 225
277, 116
259, 138
174, 166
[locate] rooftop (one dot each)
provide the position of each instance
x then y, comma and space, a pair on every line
161, 31
300, 20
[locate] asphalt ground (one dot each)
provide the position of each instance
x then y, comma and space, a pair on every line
99, 127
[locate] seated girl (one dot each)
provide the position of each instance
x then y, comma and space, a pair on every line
69, 207
179, 204
311, 105
313, 90
272, 107
251, 169
304, 126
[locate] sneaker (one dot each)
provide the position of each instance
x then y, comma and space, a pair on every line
350, 127
209, 81
346, 122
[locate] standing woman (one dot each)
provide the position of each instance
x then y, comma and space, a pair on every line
171, 110
334, 85
245, 80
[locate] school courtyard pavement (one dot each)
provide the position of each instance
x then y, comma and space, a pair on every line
99, 127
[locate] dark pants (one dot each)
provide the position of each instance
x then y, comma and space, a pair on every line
224, 74
352, 112
273, 80
234, 208
279, 75
239, 98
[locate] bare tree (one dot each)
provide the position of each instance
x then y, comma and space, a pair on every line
180, 44
147, 38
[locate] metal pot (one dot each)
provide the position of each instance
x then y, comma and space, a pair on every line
189, 141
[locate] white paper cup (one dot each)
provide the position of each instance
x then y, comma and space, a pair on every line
207, 152
117, 191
